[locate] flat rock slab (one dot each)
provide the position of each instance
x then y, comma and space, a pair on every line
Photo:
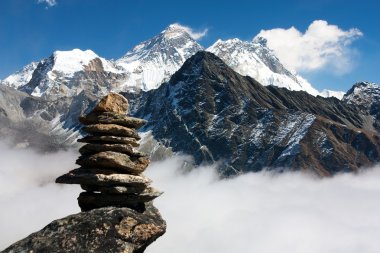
113, 102
119, 230
115, 160
101, 178
112, 189
109, 139
91, 200
91, 148
111, 118
122, 190
111, 129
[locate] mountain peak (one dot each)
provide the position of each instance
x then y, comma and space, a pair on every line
255, 59
357, 87
153, 61
175, 31
175, 27
76, 51
73, 60
199, 64
363, 93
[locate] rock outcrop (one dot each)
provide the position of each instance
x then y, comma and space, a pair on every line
100, 230
117, 211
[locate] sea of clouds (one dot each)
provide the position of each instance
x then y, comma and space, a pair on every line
255, 212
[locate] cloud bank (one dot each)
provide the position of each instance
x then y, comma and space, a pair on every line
29, 198
322, 46
196, 35
258, 212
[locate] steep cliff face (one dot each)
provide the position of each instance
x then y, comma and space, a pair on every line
209, 111
111, 229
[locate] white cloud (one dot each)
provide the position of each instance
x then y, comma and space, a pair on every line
321, 46
50, 3
258, 212
197, 35
29, 198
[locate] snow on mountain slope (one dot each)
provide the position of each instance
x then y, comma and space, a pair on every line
67, 73
331, 93
21, 77
256, 60
154, 61
363, 94
70, 62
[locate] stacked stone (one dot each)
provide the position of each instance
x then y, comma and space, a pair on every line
111, 168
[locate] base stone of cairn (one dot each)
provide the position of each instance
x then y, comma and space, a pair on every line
111, 168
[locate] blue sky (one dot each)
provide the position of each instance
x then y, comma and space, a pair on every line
30, 31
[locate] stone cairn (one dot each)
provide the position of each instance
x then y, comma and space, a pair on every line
111, 169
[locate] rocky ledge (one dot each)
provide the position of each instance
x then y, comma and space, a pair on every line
108, 229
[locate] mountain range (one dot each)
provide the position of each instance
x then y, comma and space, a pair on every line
149, 64
233, 103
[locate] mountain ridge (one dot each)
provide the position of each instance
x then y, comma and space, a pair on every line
217, 115
153, 61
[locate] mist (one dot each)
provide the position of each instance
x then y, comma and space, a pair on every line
29, 197
255, 212
263, 212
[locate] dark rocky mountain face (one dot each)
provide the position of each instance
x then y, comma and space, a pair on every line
209, 111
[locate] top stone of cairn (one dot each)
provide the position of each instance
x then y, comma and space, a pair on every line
113, 102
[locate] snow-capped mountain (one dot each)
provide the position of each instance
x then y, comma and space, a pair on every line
332, 93
255, 59
21, 77
153, 61
149, 64
206, 110
209, 111
67, 73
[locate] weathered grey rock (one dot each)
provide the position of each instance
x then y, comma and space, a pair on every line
92, 148
101, 230
111, 118
115, 160
113, 102
121, 189
109, 139
111, 129
102, 178
91, 200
